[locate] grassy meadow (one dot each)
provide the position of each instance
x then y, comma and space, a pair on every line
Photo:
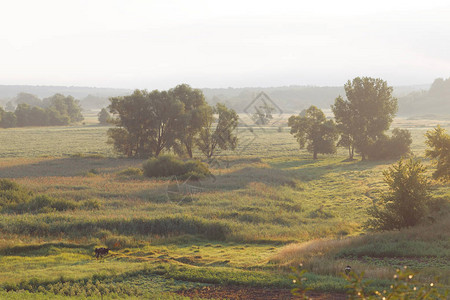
268, 206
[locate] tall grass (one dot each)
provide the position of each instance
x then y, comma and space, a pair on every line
165, 226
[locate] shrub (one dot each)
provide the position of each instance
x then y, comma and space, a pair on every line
405, 203
439, 143
132, 172
391, 147
15, 198
91, 204
168, 165
12, 194
42, 204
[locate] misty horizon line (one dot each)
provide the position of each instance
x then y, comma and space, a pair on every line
202, 88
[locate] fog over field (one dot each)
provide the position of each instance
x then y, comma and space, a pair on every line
224, 149
158, 44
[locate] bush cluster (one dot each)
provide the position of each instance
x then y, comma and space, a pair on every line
395, 146
169, 165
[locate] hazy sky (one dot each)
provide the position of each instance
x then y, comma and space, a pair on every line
158, 44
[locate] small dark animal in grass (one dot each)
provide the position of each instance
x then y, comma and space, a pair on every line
99, 252
347, 270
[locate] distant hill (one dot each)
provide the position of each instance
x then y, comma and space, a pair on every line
289, 99
435, 100
413, 99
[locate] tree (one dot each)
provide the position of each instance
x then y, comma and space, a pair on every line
7, 119
147, 123
131, 115
30, 99
22, 113
311, 128
405, 203
344, 123
104, 116
192, 118
439, 142
366, 114
63, 110
263, 113
222, 135
166, 121
38, 116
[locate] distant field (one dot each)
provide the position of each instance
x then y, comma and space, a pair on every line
54, 141
230, 229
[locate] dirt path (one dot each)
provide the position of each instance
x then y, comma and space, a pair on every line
250, 293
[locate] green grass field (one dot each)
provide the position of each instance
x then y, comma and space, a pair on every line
268, 207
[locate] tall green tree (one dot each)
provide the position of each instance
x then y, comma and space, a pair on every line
22, 112
192, 118
29, 99
263, 113
404, 205
217, 133
7, 119
366, 114
147, 123
345, 125
131, 115
166, 121
439, 142
103, 116
311, 128
63, 110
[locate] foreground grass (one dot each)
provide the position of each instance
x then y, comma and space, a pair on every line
232, 229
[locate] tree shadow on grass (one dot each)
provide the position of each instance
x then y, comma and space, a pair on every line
290, 173
68, 167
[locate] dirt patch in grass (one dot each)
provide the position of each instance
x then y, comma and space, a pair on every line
252, 293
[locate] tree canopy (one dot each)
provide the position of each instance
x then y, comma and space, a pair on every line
366, 114
311, 128
439, 142
146, 123
193, 115
103, 116
149, 123
222, 135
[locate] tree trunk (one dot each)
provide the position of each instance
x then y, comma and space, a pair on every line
351, 151
363, 156
189, 151
158, 150
315, 155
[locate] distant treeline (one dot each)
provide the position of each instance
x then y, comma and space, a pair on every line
32, 111
412, 100
434, 101
290, 99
